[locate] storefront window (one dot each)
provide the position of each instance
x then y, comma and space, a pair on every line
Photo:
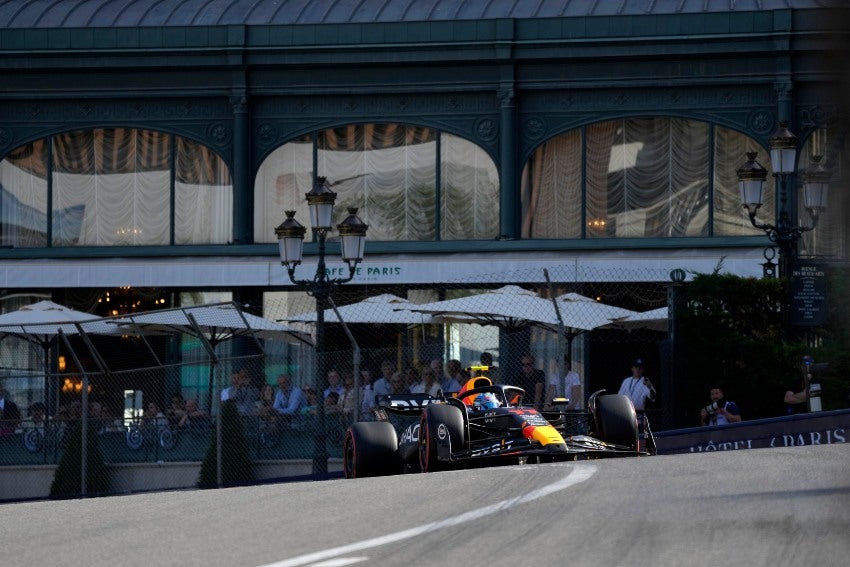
114, 187
642, 178
390, 173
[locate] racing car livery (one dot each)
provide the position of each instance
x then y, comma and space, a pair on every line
486, 424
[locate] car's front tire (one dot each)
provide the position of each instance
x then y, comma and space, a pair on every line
439, 420
616, 420
370, 448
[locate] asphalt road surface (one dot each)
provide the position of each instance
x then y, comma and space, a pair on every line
772, 507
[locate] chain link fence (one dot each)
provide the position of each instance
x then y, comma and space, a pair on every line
144, 396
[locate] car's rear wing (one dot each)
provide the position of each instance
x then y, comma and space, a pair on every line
404, 404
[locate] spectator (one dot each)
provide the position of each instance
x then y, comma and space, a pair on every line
244, 394
334, 384
411, 379
447, 383
367, 398
531, 379
638, 387
457, 376
265, 406
193, 415
398, 385
289, 399
348, 401
429, 383
177, 409
153, 416
486, 359
36, 420
10, 415
568, 386
100, 418
795, 398
311, 407
382, 384
306, 417
723, 411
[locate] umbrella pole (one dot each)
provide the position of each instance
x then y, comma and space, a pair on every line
210, 345
84, 416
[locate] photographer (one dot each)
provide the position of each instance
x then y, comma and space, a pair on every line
719, 411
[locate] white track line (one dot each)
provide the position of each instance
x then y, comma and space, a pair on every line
580, 473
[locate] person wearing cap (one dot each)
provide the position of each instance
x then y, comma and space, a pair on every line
638, 387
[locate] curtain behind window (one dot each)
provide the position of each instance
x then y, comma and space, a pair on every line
470, 191
118, 182
23, 197
644, 177
112, 187
203, 195
389, 173
551, 189
730, 153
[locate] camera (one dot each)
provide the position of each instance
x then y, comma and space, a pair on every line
712, 408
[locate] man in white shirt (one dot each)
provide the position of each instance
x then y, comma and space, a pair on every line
382, 384
289, 399
568, 386
638, 387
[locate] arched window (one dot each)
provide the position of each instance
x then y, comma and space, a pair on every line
638, 178
114, 187
399, 176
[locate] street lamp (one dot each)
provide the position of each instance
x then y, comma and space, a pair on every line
290, 236
751, 177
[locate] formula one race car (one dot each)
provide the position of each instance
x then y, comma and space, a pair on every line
486, 424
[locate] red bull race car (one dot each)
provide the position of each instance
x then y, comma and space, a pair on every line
487, 424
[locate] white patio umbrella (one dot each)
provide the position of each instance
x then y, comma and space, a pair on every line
41, 322
580, 313
653, 320
509, 307
385, 308
217, 323
213, 324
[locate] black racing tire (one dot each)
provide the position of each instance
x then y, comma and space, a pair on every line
616, 420
370, 448
433, 417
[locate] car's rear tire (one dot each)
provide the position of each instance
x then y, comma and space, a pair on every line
437, 421
370, 448
616, 420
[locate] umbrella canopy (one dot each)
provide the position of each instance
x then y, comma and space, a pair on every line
385, 308
509, 307
40, 323
216, 322
653, 320
41, 317
580, 313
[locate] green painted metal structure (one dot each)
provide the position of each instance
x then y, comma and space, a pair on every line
243, 79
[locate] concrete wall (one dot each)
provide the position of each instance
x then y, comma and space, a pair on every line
33, 482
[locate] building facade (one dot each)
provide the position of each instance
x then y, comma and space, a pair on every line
156, 144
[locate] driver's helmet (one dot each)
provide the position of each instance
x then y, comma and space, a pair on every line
487, 400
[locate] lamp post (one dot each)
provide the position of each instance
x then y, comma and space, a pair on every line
290, 235
751, 177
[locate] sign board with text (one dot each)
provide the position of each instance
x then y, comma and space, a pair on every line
808, 305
